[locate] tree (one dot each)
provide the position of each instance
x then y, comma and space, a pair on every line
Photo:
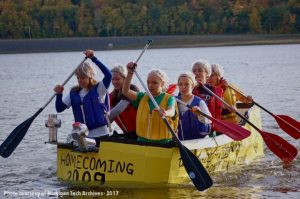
254, 21
273, 19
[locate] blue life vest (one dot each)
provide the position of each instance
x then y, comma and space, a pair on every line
94, 110
190, 125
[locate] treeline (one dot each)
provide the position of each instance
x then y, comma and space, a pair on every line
89, 18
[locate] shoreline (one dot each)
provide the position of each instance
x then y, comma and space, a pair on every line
10, 46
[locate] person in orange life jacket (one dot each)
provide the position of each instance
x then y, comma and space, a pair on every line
202, 71
122, 112
190, 125
230, 96
150, 125
89, 101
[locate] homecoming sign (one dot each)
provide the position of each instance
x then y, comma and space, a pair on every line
84, 167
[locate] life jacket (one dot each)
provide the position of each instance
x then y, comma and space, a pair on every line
231, 97
127, 119
189, 126
94, 110
150, 125
214, 105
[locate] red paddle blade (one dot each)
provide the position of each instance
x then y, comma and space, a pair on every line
171, 88
289, 125
232, 130
280, 147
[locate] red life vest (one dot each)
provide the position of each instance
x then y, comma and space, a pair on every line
127, 119
214, 105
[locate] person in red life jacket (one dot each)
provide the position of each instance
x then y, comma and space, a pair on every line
122, 112
150, 126
202, 71
89, 99
190, 125
230, 96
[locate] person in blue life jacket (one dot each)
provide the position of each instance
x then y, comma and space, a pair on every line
89, 99
190, 125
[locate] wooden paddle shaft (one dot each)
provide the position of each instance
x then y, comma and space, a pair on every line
236, 90
240, 115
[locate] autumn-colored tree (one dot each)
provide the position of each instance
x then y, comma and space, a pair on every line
76, 18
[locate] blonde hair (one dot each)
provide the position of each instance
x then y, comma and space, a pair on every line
203, 64
188, 75
217, 69
161, 75
86, 70
120, 69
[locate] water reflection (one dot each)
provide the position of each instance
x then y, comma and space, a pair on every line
163, 193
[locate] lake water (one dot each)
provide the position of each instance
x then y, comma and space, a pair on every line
269, 73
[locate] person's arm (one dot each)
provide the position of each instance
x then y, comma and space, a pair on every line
203, 107
244, 99
59, 105
170, 112
130, 94
107, 74
118, 109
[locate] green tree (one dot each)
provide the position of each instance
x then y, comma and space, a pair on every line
273, 19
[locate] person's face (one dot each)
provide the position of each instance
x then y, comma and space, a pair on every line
83, 81
155, 84
185, 86
213, 79
117, 81
200, 74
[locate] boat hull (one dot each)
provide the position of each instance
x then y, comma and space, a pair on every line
130, 163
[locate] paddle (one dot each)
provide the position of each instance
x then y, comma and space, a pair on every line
286, 123
193, 166
284, 150
171, 89
232, 130
16, 136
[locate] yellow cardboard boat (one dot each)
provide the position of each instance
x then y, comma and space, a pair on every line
121, 162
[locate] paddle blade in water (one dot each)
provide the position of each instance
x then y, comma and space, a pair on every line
284, 150
232, 130
195, 169
14, 139
16, 136
289, 125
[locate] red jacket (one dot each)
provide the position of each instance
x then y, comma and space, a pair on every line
127, 119
214, 105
